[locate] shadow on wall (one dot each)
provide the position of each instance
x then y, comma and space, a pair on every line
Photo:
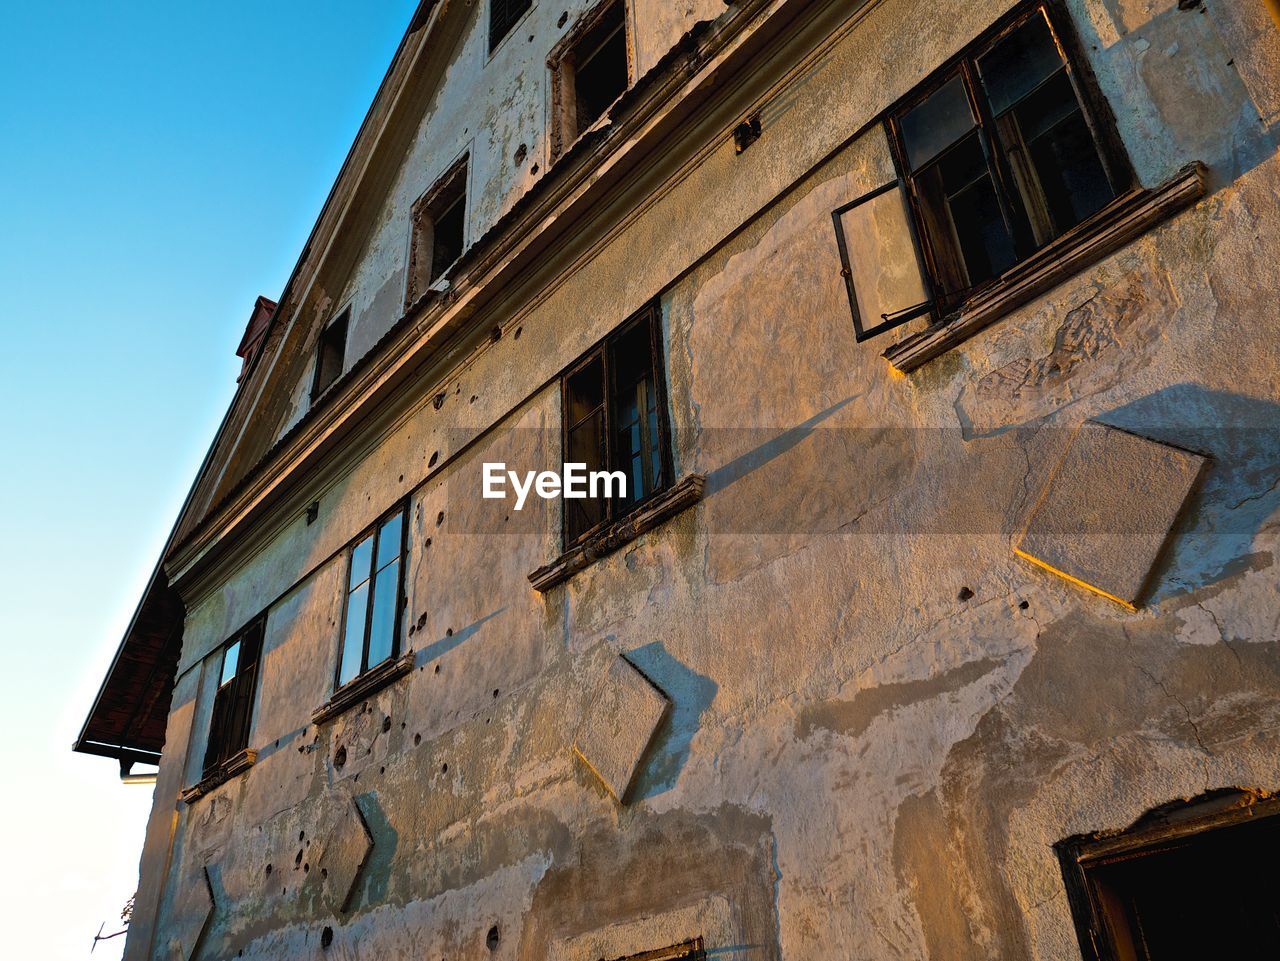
377, 872
1204, 109
1240, 494
690, 694
447, 643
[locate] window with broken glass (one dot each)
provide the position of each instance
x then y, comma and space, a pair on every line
615, 419
590, 70
233, 703
439, 230
374, 598
331, 350
1001, 153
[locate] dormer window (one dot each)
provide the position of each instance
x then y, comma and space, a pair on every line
439, 231
331, 354
590, 69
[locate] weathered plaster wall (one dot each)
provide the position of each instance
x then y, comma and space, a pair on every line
858, 763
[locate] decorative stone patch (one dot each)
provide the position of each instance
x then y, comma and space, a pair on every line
192, 913
619, 725
337, 857
1108, 509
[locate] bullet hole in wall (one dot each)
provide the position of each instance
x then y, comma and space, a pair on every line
473, 399
521, 153
448, 632
422, 618
519, 331
382, 770
302, 836
495, 692
439, 518
313, 511
437, 668
326, 937
564, 18
533, 169
306, 868
495, 335
340, 758
417, 739
1023, 605
298, 860
386, 724
493, 938
268, 870
439, 400
965, 594
435, 456
444, 768
428, 544
402, 478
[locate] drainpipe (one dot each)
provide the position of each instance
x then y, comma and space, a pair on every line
128, 777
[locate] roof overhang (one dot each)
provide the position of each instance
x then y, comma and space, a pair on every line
128, 717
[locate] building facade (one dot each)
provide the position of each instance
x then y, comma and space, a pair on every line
938, 615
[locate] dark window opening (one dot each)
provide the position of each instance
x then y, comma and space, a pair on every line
375, 588
1001, 156
233, 702
330, 354
615, 419
503, 15
439, 230
590, 71
1182, 892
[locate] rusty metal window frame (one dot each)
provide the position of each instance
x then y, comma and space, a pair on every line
934, 260
331, 344
1106, 927
373, 533
231, 717
603, 352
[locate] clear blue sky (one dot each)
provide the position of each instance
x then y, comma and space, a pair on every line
161, 165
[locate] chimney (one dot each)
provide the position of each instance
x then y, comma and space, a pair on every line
254, 332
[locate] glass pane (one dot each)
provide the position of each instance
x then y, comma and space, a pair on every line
585, 392
230, 662
937, 123
635, 439
963, 217
353, 634
389, 540
883, 265
361, 555
1017, 64
585, 443
631, 355
383, 626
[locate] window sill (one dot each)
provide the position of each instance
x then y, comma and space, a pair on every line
224, 772
370, 682
1125, 219
648, 516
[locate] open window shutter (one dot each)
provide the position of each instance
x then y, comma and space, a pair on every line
881, 261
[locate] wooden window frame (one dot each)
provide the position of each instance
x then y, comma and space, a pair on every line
230, 727
373, 530
652, 315
562, 62
1177, 824
502, 21
1097, 116
340, 318
691, 950
439, 198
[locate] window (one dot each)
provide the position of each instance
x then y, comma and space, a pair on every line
233, 703
503, 15
439, 230
375, 583
330, 354
590, 70
1182, 888
615, 418
686, 951
999, 155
